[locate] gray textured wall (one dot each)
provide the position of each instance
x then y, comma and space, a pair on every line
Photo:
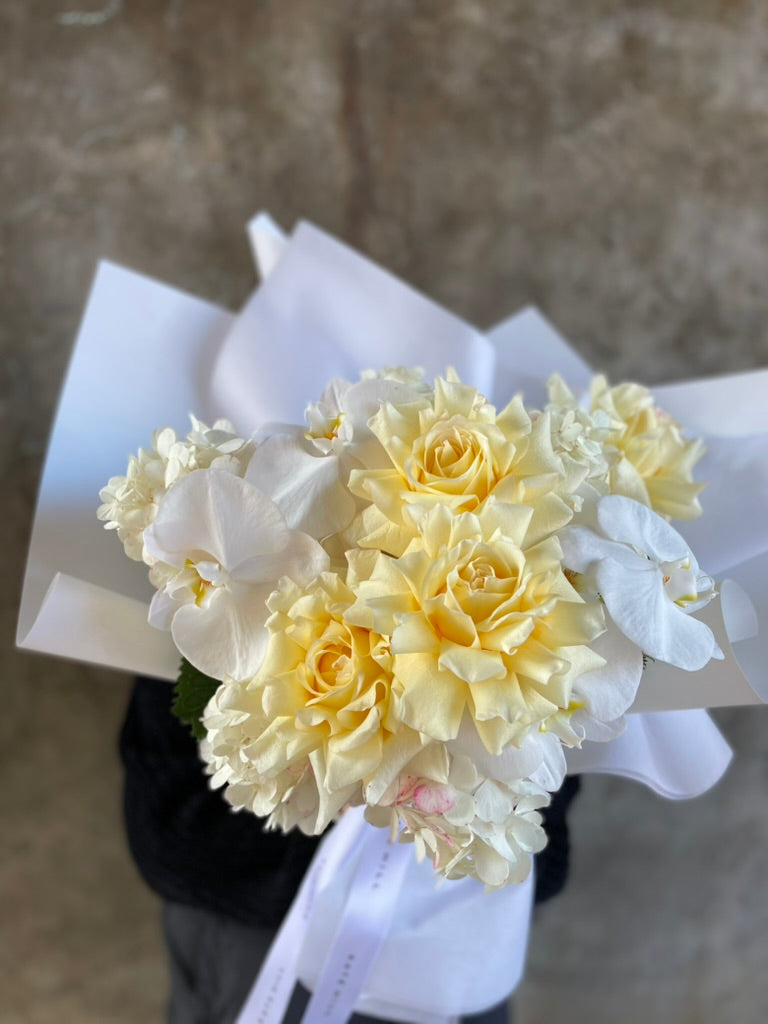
606, 161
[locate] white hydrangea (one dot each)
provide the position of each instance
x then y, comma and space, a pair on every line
466, 824
578, 436
412, 376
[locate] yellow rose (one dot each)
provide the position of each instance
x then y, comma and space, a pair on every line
455, 450
656, 467
326, 692
481, 621
233, 718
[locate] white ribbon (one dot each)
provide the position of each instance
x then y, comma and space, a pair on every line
363, 929
272, 990
401, 943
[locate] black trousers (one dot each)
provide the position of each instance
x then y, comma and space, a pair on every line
214, 961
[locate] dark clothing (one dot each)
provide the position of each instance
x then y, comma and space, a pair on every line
192, 849
226, 882
187, 842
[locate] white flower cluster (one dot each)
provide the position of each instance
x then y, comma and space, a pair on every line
130, 502
416, 601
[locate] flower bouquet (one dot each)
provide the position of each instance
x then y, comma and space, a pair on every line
429, 600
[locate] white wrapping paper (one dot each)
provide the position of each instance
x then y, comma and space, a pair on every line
142, 359
147, 355
400, 953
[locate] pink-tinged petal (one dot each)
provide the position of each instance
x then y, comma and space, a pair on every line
434, 799
626, 520
215, 515
305, 486
637, 603
398, 751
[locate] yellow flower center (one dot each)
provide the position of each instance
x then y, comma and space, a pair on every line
454, 456
330, 663
477, 574
330, 433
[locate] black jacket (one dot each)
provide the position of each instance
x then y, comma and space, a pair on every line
191, 848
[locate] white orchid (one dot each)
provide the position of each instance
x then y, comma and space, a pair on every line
306, 472
220, 546
647, 578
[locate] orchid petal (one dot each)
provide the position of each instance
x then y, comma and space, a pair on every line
624, 519
217, 515
610, 690
306, 487
583, 547
636, 601
162, 609
225, 636
302, 559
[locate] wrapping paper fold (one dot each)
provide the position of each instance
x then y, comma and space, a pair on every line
143, 358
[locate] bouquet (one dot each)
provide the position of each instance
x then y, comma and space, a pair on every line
421, 603
414, 602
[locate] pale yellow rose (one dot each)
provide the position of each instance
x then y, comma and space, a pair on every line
233, 717
481, 620
457, 451
656, 467
325, 685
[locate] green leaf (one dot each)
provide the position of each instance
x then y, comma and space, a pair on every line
192, 692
